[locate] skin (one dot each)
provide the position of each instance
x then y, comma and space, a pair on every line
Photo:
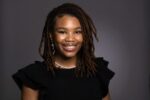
29, 93
107, 97
68, 40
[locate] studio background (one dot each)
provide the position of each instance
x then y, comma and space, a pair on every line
123, 28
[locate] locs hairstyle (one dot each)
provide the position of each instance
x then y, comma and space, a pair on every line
85, 58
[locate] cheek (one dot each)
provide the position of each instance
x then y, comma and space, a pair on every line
80, 38
59, 38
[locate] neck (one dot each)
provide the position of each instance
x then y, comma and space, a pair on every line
66, 62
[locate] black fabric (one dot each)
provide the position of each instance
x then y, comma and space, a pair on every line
104, 74
65, 86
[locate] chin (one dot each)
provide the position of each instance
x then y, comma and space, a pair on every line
69, 55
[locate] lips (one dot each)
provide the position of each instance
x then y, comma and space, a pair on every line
69, 47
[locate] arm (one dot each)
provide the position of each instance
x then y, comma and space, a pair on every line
107, 97
29, 94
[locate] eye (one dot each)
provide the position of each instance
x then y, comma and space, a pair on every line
78, 32
61, 31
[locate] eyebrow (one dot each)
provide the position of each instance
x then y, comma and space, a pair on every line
66, 28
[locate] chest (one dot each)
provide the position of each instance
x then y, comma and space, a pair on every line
67, 87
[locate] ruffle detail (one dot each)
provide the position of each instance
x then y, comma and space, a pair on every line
32, 76
104, 74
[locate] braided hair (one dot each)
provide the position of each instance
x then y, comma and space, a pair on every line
85, 57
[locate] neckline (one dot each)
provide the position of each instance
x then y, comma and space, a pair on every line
64, 69
59, 66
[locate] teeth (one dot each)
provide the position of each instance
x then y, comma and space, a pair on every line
69, 47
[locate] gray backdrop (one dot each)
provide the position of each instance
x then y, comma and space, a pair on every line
123, 28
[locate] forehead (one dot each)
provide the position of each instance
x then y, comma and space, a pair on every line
67, 21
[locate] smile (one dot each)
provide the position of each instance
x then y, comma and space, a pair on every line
69, 48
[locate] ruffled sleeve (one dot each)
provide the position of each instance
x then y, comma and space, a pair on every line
32, 76
104, 74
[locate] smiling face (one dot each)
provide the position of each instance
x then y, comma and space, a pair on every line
67, 36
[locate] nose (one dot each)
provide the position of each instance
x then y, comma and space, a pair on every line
70, 37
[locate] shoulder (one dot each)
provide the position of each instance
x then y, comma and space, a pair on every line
102, 67
35, 67
32, 75
104, 74
101, 59
101, 62
103, 71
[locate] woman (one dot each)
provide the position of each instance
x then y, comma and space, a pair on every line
69, 70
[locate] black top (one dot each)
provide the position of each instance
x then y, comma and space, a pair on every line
65, 86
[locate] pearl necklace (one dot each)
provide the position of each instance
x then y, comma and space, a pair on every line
64, 67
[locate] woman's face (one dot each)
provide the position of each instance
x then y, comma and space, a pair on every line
67, 36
